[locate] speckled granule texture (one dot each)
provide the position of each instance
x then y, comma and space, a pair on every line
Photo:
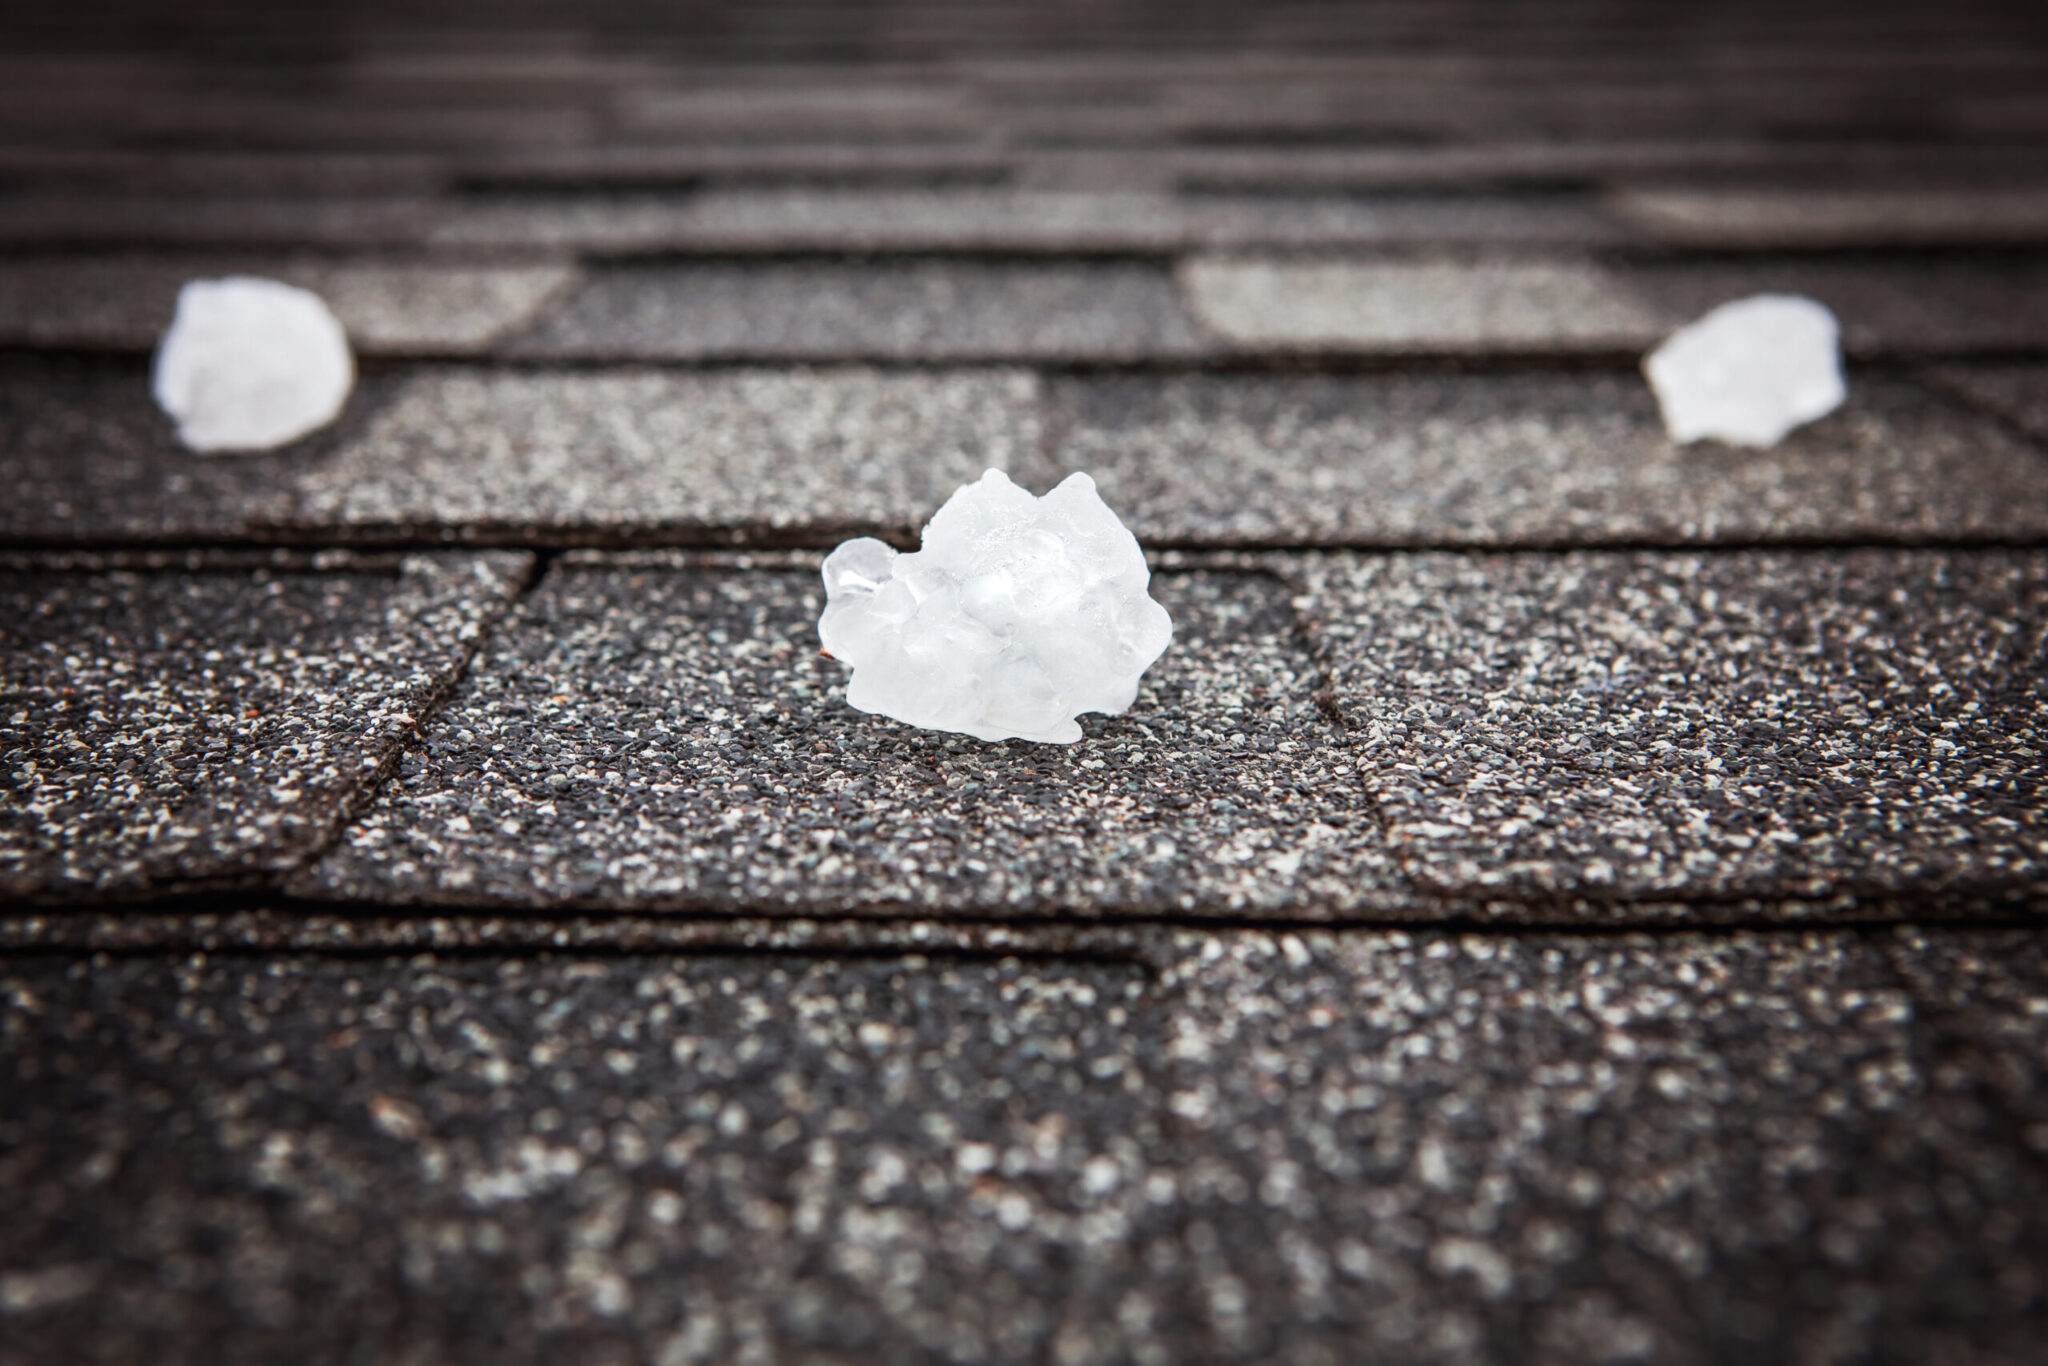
86, 453
761, 221
1516, 303
1567, 1149
916, 310
209, 722
1507, 459
1314, 1147
645, 451
122, 303
667, 737
1630, 725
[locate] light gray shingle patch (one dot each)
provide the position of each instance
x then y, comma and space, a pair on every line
1430, 306
1639, 726
1565, 1150
765, 221
124, 303
933, 311
1504, 305
2017, 392
740, 454
1835, 217
1315, 1146
211, 725
1501, 460
645, 737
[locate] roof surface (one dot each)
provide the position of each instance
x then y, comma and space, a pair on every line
1562, 897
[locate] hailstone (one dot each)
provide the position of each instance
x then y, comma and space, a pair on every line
1749, 371
1017, 614
251, 364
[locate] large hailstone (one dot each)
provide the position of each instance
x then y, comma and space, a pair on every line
250, 364
1018, 614
1749, 371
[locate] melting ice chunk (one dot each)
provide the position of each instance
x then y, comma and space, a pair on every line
1018, 614
1749, 371
251, 364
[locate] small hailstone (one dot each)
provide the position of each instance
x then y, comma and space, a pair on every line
1749, 371
250, 364
1018, 614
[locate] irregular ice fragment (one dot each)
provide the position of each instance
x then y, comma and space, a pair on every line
1749, 371
1016, 615
250, 364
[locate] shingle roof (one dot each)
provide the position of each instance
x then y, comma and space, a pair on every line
1562, 896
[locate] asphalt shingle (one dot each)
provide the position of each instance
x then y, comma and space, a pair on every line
124, 303
1681, 1149
1835, 218
1000, 221
688, 1160
209, 721
1315, 1146
645, 735
1533, 459
732, 455
1519, 305
88, 455
1636, 726
894, 311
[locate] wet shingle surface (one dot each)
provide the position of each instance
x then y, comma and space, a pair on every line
1551, 459
1260, 1147
657, 736
1635, 725
210, 721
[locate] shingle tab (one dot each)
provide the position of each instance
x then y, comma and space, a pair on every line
1634, 726
736, 455
931, 311
1777, 217
1518, 305
658, 737
767, 221
1401, 306
88, 456
1300, 1146
1562, 1149
212, 724
124, 303
1547, 459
